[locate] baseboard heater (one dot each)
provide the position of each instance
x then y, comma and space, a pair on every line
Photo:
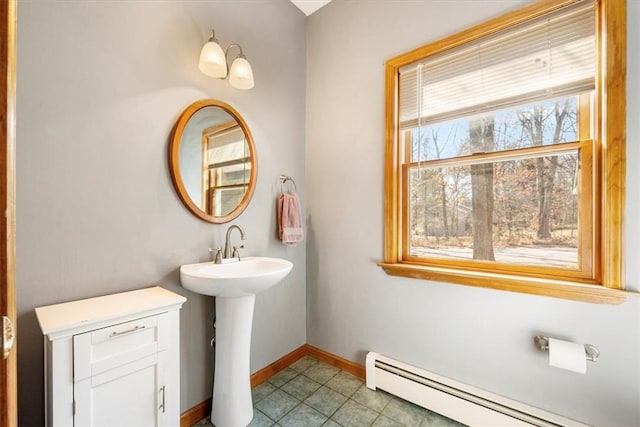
461, 402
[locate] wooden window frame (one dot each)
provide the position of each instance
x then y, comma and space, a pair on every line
605, 282
211, 173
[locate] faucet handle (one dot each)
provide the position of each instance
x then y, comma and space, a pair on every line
236, 251
218, 255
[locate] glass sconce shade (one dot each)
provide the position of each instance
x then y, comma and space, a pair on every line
241, 74
213, 62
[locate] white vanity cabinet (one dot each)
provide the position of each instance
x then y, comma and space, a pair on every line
113, 360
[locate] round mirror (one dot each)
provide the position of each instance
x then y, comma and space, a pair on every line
213, 161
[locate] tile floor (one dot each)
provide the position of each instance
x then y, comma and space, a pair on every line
310, 393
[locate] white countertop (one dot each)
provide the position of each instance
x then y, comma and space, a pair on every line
77, 316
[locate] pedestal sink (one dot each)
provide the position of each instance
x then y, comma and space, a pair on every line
234, 284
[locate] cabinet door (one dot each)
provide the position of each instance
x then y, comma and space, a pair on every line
132, 395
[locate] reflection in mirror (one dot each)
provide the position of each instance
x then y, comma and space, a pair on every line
212, 160
226, 169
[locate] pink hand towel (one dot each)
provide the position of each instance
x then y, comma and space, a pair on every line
289, 219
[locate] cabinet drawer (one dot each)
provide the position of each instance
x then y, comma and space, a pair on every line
97, 351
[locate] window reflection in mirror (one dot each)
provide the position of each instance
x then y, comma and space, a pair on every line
226, 168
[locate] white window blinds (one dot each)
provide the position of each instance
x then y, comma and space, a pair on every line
548, 57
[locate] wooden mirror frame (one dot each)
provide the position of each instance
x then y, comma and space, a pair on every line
174, 161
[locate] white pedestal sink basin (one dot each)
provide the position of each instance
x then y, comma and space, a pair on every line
234, 284
234, 278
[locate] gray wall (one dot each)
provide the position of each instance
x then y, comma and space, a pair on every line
100, 85
478, 336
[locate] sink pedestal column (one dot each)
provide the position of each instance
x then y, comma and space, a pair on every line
232, 405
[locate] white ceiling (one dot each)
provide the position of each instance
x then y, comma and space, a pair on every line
309, 6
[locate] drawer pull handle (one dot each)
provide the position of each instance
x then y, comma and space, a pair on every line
117, 334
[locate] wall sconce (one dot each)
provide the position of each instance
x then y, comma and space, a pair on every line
213, 63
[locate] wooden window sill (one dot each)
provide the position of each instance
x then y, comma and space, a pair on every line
545, 287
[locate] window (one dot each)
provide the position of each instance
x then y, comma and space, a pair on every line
505, 154
226, 168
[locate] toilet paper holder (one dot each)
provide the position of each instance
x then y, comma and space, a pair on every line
591, 351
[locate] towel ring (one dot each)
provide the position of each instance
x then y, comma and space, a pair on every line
284, 179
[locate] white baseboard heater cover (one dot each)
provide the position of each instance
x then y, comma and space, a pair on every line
460, 402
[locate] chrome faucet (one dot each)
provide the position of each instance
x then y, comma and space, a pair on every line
228, 252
